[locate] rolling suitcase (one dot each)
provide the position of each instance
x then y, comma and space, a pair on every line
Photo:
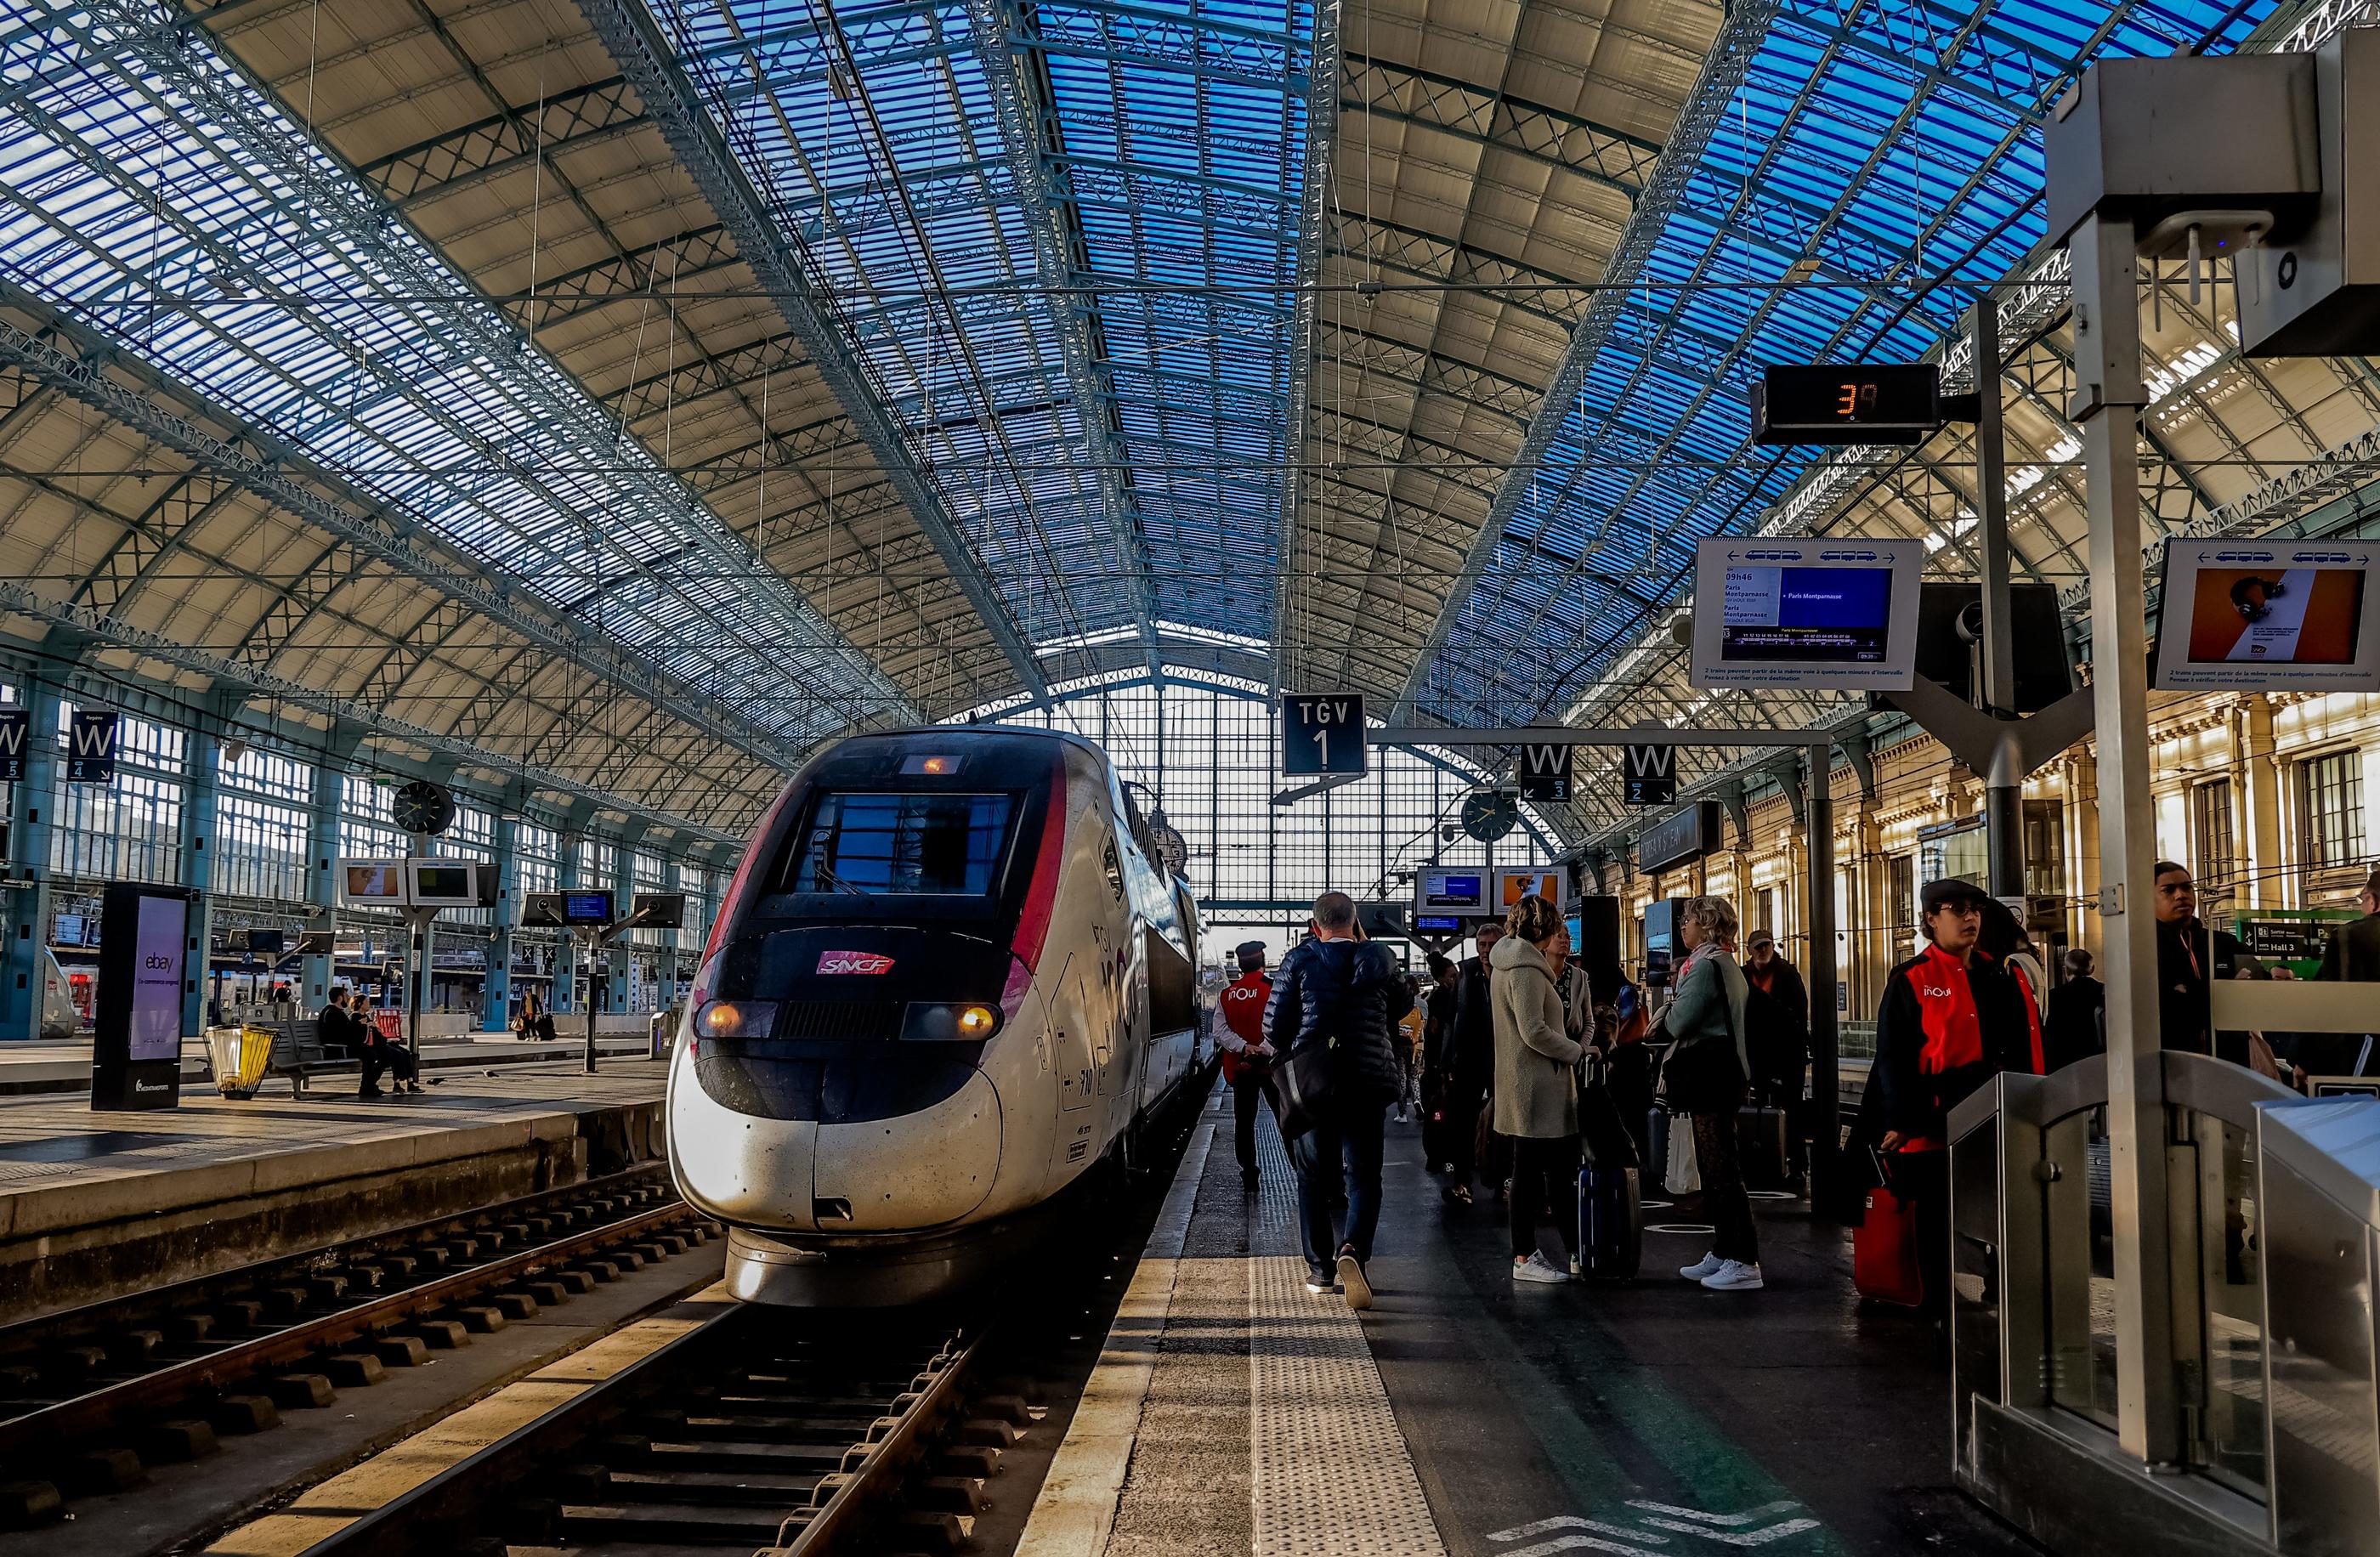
1760, 1145
1610, 1223
1885, 1257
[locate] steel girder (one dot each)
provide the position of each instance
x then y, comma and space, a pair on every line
318, 195
646, 62
1322, 89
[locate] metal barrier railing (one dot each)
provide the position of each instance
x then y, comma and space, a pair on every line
2273, 1254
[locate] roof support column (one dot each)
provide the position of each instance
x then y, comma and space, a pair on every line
32, 805
496, 983
327, 795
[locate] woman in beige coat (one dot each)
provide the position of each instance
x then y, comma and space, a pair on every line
1536, 1084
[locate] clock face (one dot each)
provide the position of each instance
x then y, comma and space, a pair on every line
424, 807
1173, 851
1488, 815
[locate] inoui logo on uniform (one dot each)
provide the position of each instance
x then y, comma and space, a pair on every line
854, 962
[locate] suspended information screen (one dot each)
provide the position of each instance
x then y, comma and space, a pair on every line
2268, 617
1830, 614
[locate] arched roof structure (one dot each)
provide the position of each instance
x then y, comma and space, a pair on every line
618, 398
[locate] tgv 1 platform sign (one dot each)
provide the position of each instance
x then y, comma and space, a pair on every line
1832, 614
1322, 736
2259, 616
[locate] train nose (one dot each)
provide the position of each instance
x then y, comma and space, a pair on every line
904, 1172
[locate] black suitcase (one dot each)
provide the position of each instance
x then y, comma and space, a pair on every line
1658, 1121
1760, 1145
1610, 1223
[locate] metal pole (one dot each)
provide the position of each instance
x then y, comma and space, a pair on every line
1826, 1064
591, 943
414, 985
2004, 784
2106, 408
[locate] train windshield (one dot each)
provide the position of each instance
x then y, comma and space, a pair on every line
943, 845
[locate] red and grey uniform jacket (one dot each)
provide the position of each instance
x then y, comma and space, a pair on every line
1946, 1029
1239, 1022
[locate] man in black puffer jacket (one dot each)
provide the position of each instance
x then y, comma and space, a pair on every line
1340, 991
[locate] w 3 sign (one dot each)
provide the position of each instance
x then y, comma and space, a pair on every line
1648, 775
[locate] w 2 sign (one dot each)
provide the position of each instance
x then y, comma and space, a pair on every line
1648, 775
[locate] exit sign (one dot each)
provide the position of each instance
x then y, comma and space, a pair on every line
1322, 736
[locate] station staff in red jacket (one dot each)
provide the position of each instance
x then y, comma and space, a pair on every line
1951, 1019
1239, 1033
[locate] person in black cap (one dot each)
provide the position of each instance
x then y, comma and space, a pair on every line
1239, 1033
1951, 1019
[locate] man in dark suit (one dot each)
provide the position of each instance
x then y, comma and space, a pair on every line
1471, 1061
2350, 956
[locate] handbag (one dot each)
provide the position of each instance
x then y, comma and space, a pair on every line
1299, 1085
1694, 1074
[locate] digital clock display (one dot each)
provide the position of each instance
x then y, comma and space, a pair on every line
1849, 403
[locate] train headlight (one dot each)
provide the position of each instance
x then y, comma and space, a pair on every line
736, 1018
933, 1022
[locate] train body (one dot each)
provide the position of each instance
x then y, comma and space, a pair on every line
948, 981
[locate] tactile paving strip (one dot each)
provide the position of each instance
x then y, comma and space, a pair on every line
1331, 1474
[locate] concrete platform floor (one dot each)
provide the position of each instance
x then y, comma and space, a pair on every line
1644, 1421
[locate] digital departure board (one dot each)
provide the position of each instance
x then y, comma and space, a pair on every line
1847, 402
1836, 614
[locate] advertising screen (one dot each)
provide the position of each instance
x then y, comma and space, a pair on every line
1513, 885
1450, 892
155, 1032
1838, 613
375, 881
2267, 616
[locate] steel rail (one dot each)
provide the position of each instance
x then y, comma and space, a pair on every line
118, 1404
887, 1462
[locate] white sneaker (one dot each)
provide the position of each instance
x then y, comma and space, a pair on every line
1537, 1268
1734, 1275
1707, 1266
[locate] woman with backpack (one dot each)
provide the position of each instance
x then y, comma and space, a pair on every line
1705, 1073
1537, 1082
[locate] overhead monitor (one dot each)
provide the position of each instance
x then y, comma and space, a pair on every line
1439, 893
2268, 616
443, 883
70, 930
1513, 885
373, 883
1828, 613
1437, 924
586, 907
542, 909
660, 910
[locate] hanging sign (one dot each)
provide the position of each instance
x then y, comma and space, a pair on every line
90, 749
1648, 775
16, 726
1545, 772
1322, 736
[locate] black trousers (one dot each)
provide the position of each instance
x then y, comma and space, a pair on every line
387, 1054
1462, 1104
1733, 1236
1544, 1174
1247, 1099
1923, 1179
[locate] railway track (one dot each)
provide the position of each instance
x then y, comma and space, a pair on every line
758, 1432
90, 1397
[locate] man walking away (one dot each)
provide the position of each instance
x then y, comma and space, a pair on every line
1470, 1064
1239, 1033
2076, 1026
1951, 1019
1346, 994
1777, 1036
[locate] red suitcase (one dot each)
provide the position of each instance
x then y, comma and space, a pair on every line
1883, 1251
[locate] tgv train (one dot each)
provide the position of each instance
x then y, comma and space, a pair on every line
948, 979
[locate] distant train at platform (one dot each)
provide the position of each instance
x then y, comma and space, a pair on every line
951, 978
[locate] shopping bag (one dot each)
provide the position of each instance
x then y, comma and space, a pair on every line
1680, 1176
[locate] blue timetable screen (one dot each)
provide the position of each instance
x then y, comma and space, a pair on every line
1837, 614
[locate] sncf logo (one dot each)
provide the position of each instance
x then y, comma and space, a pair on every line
854, 962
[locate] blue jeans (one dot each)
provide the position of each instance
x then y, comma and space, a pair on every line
1350, 1142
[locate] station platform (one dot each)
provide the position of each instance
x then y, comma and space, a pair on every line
64, 1066
95, 1204
1231, 1413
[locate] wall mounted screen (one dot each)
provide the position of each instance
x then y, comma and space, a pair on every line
1441, 892
2268, 617
1834, 613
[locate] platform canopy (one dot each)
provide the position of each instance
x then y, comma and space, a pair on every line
623, 397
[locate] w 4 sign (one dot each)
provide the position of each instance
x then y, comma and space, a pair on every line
1322, 735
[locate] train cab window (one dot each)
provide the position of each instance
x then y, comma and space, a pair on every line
945, 844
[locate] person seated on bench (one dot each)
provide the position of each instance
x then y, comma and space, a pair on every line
379, 1052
